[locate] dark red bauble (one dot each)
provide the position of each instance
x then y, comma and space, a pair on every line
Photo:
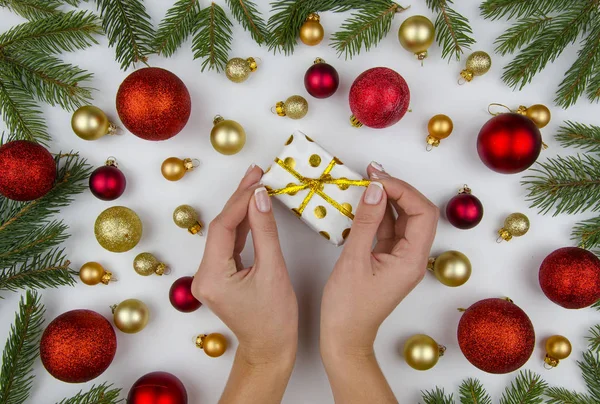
27, 170
570, 277
107, 183
496, 336
78, 346
509, 143
464, 211
379, 97
153, 104
157, 388
181, 296
321, 80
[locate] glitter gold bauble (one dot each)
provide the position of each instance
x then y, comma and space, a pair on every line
92, 273
311, 31
186, 217
478, 64
416, 34
452, 268
146, 264
515, 225
91, 123
439, 127
294, 107
421, 352
131, 315
214, 345
538, 113
118, 229
174, 168
238, 70
227, 137
557, 349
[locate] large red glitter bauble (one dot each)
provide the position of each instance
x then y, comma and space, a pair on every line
464, 211
78, 346
157, 388
509, 143
321, 80
107, 183
27, 170
496, 336
153, 104
181, 296
379, 97
570, 277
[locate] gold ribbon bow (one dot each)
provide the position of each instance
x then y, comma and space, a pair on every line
316, 186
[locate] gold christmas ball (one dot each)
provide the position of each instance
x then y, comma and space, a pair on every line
539, 114
439, 127
146, 264
173, 168
91, 123
214, 345
557, 349
478, 64
421, 352
416, 34
311, 31
92, 273
186, 217
238, 70
452, 268
515, 225
295, 107
227, 136
131, 316
118, 229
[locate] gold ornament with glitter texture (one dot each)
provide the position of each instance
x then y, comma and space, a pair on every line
118, 229
478, 64
238, 70
146, 264
295, 107
186, 217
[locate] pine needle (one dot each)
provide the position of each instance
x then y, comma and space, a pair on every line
249, 16
32, 9
102, 394
582, 136
590, 369
452, 30
213, 38
559, 395
16, 250
176, 27
495, 9
587, 233
597, 304
20, 113
472, 392
437, 396
594, 338
528, 387
287, 16
523, 32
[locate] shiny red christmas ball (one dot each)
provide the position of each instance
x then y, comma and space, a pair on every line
78, 346
107, 183
465, 210
321, 80
570, 277
153, 104
509, 143
496, 336
157, 388
379, 97
181, 296
27, 170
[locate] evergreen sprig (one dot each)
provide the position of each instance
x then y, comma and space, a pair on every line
20, 112
587, 233
452, 30
590, 369
101, 394
594, 338
178, 24
246, 13
437, 396
285, 22
496, 9
528, 387
471, 391
582, 136
523, 32
559, 395
32, 9
212, 41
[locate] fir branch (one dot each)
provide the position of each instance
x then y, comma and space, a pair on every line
16, 250
590, 369
528, 387
213, 38
21, 350
594, 338
582, 136
452, 30
32, 9
101, 394
587, 233
495, 9
559, 395
129, 29
74, 3
565, 185
249, 16
597, 304
472, 392
285, 22
521, 33
176, 27
437, 396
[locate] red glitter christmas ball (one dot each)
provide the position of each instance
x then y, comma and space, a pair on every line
153, 104
321, 80
509, 143
27, 170
107, 183
379, 97
465, 210
78, 346
181, 296
157, 388
570, 277
496, 336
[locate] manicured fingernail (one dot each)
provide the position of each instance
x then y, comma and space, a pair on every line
377, 166
263, 202
374, 176
374, 193
250, 168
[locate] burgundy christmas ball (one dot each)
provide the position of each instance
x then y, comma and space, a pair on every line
496, 336
153, 104
27, 170
509, 143
570, 277
321, 80
157, 388
181, 296
379, 98
107, 183
78, 346
464, 211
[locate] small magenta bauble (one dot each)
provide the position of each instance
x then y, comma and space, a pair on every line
181, 297
464, 211
108, 182
321, 79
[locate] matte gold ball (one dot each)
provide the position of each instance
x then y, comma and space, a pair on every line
214, 345
131, 316
479, 63
311, 31
517, 224
118, 229
146, 264
173, 168
421, 352
558, 347
539, 114
416, 34
90, 123
92, 273
295, 107
227, 137
452, 268
440, 126
238, 70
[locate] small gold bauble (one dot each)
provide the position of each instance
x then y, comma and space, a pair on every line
515, 225
439, 127
118, 229
478, 64
214, 345
416, 34
421, 352
131, 316
238, 70
311, 31
91, 123
538, 113
557, 349
186, 217
227, 136
146, 264
295, 107
174, 168
452, 268
92, 273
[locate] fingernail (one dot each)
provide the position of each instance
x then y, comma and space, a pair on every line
377, 166
374, 176
250, 168
374, 193
263, 202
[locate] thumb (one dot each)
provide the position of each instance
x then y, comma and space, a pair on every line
264, 229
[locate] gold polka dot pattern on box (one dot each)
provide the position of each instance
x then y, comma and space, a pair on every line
324, 234
290, 140
343, 187
314, 160
290, 162
347, 206
345, 234
320, 212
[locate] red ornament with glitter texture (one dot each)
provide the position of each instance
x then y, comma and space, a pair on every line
181, 297
157, 388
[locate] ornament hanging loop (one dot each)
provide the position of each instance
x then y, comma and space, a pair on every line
217, 119
495, 104
112, 161
550, 363
441, 350
195, 163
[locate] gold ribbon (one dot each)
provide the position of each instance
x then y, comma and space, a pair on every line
316, 186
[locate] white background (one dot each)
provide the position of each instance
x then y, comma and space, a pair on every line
498, 270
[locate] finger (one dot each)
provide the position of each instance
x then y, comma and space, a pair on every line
267, 249
386, 234
376, 172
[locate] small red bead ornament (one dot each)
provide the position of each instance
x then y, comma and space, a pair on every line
181, 296
321, 79
108, 182
465, 210
157, 388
